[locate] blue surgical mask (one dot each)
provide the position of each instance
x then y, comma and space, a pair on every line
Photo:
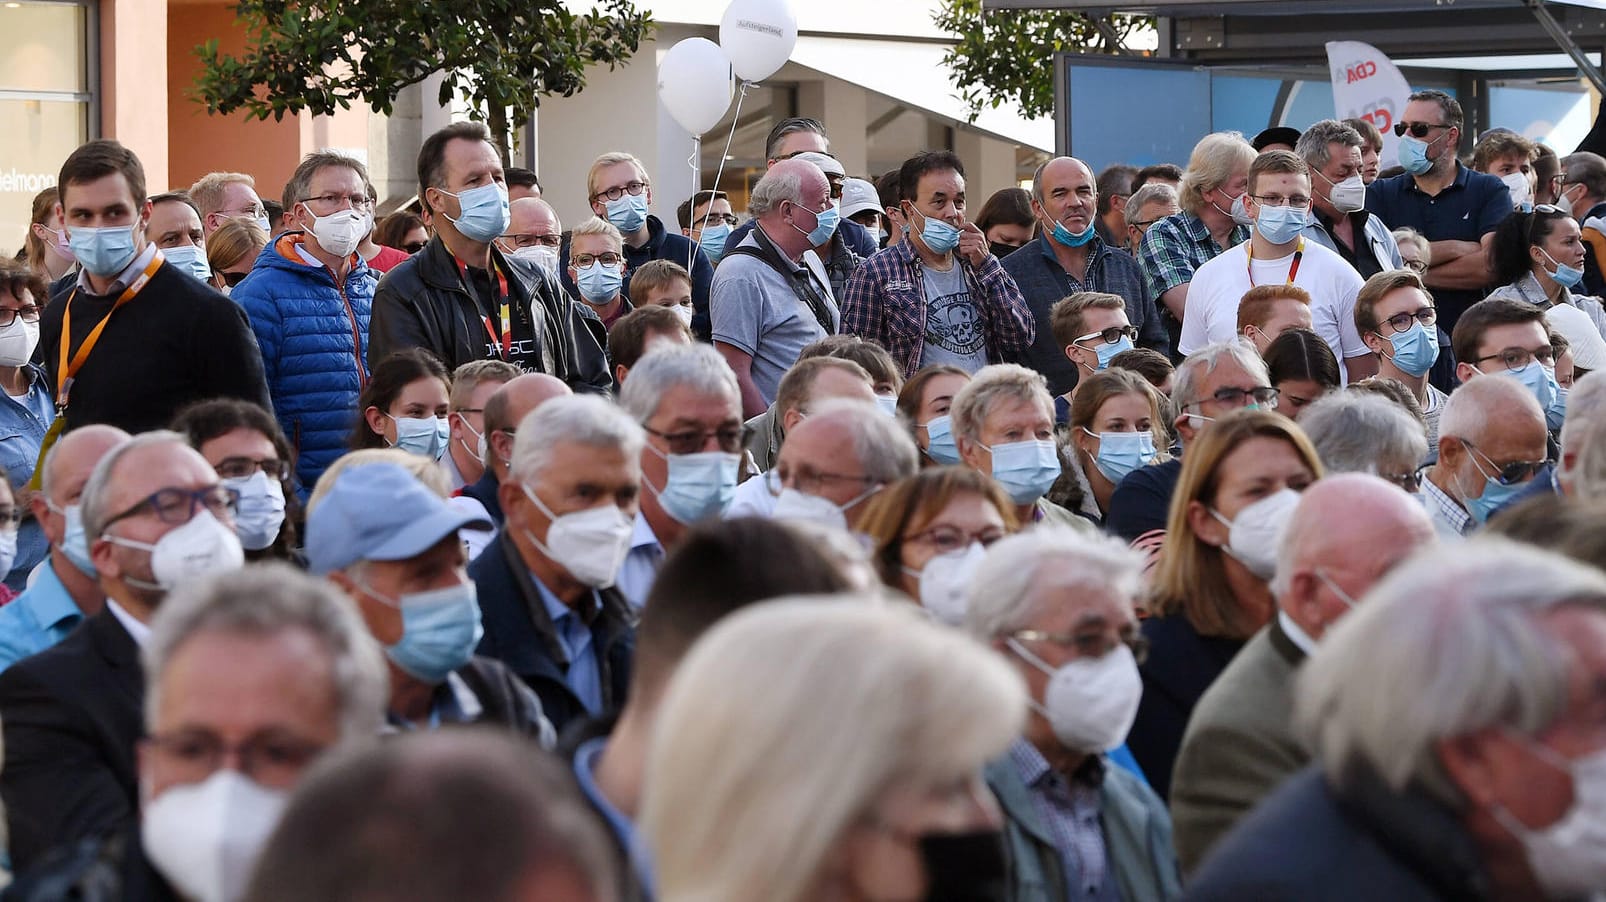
1106, 351
484, 214
1565, 276
825, 226
103, 252
1414, 155
1538, 381
712, 241
1073, 239
1122, 452
426, 436
699, 486
599, 284
888, 404
628, 213
1494, 497
1026, 470
1556, 410
939, 236
74, 543
1280, 225
440, 629
1415, 350
190, 259
940, 445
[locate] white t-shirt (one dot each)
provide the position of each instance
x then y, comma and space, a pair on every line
1211, 314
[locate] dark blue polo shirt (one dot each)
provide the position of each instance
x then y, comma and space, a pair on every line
1465, 210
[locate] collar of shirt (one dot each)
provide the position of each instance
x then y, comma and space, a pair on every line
1462, 176
643, 536
47, 600
1034, 769
556, 609
1296, 634
1200, 233
137, 631
1528, 287
124, 278
1448, 507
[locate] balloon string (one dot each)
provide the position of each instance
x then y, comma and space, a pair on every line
696, 164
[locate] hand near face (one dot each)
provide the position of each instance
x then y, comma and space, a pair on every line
973, 244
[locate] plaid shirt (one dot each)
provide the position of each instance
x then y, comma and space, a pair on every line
885, 301
1176, 246
1071, 811
1449, 518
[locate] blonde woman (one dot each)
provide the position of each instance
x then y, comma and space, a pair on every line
777, 773
1240, 481
1117, 425
232, 250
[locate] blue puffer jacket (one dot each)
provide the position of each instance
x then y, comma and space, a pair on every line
314, 340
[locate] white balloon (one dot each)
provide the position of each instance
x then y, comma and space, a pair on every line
758, 36
694, 82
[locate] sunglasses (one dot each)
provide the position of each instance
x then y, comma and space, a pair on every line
1505, 474
1417, 129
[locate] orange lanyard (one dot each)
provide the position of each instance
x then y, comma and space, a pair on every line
504, 338
66, 371
1293, 268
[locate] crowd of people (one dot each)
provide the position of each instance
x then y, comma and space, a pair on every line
1228, 530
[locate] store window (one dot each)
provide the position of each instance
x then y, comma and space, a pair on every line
45, 102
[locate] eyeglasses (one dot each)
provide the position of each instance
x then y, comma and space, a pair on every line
1417, 129
415, 247
177, 506
29, 314
10, 517
581, 261
1111, 336
232, 279
256, 212
1533, 212
634, 189
1297, 201
1411, 482
1241, 397
798, 153
1517, 358
1506, 474
809, 482
1399, 322
729, 439
1089, 645
531, 239
717, 218
339, 201
951, 538
272, 760
242, 467
1416, 266
1143, 224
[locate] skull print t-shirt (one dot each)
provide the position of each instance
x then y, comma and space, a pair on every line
953, 323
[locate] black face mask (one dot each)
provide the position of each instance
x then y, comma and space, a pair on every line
1002, 250
964, 867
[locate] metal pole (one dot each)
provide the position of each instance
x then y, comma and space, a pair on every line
1566, 43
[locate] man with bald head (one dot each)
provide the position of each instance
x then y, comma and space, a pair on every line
157, 517
504, 410
766, 305
835, 461
64, 589
1069, 256
1492, 441
533, 233
1346, 534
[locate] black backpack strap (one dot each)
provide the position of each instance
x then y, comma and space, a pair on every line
801, 284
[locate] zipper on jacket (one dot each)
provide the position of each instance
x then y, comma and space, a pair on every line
356, 337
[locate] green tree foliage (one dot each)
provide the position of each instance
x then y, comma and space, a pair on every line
501, 56
1007, 54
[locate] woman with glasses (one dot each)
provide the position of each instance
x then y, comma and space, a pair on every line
232, 250
402, 230
25, 415
1415, 249
1538, 257
1117, 424
931, 530
1209, 592
244, 444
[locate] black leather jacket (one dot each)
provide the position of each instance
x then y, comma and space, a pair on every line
423, 303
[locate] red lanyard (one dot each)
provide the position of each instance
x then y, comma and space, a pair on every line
503, 338
1293, 268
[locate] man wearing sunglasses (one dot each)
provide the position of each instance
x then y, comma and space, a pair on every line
1491, 443
1455, 207
156, 517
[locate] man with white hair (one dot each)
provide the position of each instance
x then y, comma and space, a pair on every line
1582, 470
1346, 534
835, 461
765, 304
1456, 724
1357, 432
1492, 438
1214, 381
253, 676
547, 596
157, 517
689, 406
534, 233
833, 260
1059, 606
1003, 425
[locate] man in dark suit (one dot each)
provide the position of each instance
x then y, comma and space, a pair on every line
1347, 533
72, 714
549, 607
